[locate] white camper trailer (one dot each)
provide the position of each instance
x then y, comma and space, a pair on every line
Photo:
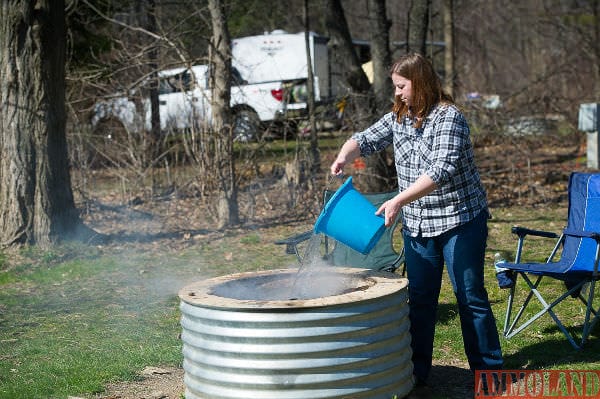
281, 57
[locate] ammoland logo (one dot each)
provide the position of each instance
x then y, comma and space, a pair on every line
506, 384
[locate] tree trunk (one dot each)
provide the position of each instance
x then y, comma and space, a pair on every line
450, 78
150, 12
377, 175
596, 64
228, 211
343, 49
381, 56
315, 157
36, 201
380, 167
418, 22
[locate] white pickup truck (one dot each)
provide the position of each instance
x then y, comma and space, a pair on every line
270, 74
184, 98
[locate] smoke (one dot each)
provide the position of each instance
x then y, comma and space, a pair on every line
157, 276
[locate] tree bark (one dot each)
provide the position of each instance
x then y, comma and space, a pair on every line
155, 131
381, 56
450, 78
380, 167
343, 49
36, 199
418, 23
596, 64
227, 211
363, 109
315, 156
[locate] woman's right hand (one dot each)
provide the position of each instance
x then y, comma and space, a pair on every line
337, 167
348, 153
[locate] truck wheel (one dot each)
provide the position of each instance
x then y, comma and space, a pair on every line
246, 125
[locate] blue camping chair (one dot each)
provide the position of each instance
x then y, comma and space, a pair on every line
386, 255
577, 266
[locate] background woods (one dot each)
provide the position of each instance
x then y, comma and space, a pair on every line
517, 70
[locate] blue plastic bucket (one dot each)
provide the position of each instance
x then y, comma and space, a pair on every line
350, 218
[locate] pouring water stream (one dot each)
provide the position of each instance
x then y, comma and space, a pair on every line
313, 251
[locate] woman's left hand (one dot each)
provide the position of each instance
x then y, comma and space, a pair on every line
390, 209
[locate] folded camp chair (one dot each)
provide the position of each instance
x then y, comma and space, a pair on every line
382, 257
577, 266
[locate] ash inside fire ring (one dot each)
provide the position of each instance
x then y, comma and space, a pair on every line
291, 286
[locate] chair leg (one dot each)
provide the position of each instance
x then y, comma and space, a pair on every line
513, 330
548, 308
509, 305
298, 256
588, 324
402, 262
508, 332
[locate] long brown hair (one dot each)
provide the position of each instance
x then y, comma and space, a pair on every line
426, 87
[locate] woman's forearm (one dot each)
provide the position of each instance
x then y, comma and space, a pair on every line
420, 188
348, 153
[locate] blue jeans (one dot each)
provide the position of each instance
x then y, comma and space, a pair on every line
463, 251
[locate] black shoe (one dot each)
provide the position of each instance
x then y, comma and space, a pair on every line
420, 391
419, 382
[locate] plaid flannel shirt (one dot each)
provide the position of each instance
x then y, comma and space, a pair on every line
440, 149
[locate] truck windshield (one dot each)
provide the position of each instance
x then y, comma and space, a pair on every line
176, 83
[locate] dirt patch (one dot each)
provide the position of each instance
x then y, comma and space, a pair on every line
154, 383
453, 380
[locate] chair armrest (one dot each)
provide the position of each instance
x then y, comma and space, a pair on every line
522, 232
295, 239
583, 233
291, 242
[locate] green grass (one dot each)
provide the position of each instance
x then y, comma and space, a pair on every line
69, 327
75, 318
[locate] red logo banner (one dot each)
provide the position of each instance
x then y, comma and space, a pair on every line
508, 384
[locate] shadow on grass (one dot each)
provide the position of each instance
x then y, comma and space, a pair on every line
548, 353
451, 382
447, 312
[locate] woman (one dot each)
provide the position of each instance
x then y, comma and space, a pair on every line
444, 210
